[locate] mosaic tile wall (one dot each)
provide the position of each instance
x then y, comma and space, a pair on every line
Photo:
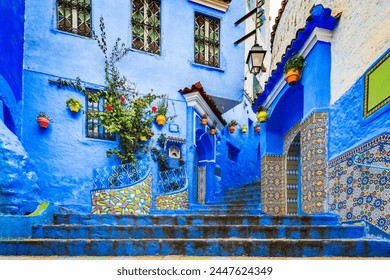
201, 184
177, 201
273, 194
362, 193
134, 200
314, 141
289, 137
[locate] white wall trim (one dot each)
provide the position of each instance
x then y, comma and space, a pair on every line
318, 34
215, 4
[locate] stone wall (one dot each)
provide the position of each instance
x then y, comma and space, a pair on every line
364, 25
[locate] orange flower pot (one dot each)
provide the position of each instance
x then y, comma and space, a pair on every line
203, 121
232, 129
212, 131
161, 119
43, 122
293, 76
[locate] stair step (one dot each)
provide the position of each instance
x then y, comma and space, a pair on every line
195, 219
197, 247
226, 206
198, 231
238, 197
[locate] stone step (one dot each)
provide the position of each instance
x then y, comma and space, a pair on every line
235, 201
197, 247
243, 197
195, 219
198, 231
244, 190
226, 206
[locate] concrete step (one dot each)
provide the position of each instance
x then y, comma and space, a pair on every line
198, 231
195, 219
243, 197
244, 190
226, 206
197, 247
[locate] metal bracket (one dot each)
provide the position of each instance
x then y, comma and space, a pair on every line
357, 157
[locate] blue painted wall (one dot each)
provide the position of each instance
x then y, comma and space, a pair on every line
63, 155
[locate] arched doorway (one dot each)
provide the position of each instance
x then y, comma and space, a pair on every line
204, 166
293, 177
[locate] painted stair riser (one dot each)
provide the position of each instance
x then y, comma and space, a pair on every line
194, 220
235, 202
244, 194
252, 188
147, 232
227, 206
222, 247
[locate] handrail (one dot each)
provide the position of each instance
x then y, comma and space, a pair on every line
172, 181
357, 157
122, 175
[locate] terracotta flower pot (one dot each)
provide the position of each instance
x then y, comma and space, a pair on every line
43, 122
262, 116
203, 121
212, 131
257, 128
161, 119
293, 76
232, 129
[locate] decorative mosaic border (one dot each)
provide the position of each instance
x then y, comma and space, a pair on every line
314, 150
362, 193
290, 135
177, 201
273, 192
134, 200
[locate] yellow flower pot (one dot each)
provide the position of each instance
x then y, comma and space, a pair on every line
161, 119
262, 116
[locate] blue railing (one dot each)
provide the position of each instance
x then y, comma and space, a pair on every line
356, 157
172, 180
120, 175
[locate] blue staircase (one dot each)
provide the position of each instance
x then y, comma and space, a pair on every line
224, 227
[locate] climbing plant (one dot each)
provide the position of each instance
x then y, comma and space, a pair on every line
127, 113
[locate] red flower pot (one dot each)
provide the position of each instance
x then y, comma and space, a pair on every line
257, 128
43, 122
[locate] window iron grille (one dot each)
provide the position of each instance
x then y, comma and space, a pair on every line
145, 25
207, 40
94, 129
74, 16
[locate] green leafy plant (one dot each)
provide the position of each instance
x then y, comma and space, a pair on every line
73, 104
261, 108
159, 154
127, 112
295, 62
232, 123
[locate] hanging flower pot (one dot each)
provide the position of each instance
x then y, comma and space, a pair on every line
161, 119
244, 129
262, 116
203, 121
232, 126
293, 68
293, 76
43, 120
212, 131
257, 128
74, 105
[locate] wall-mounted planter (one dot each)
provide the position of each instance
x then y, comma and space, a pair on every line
232, 128
43, 120
212, 131
161, 119
203, 121
293, 69
257, 129
262, 116
293, 76
74, 105
244, 129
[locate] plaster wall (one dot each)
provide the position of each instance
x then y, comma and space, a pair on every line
366, 25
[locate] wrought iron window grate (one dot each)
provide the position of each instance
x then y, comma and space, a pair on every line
207, 30
172, 180
74, 16
120, 175
145, 25
94, 130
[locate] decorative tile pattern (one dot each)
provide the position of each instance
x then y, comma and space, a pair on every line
289, 137
201, 184
177, 201
128, 201
314, 141
362, 193
273, 194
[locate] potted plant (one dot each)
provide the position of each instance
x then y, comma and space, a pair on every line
244, 128
257, 127
212, 128
43, 120
232, 126
203, 121
293, 68
162, 109
74, 105
262, 114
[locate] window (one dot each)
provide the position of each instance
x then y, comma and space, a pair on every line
74, 16
206, 40
94, 130
145, 25
232, 152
